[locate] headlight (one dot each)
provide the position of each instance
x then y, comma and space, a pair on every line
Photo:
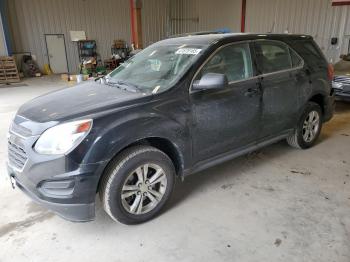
63, 138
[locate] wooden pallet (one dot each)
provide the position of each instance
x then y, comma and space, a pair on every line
8, 70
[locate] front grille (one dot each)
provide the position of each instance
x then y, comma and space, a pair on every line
17, 155
18, 129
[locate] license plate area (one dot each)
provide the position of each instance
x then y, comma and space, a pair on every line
13, 182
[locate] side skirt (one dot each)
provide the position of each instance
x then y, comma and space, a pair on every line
205, 164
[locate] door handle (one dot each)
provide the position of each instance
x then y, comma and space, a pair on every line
252, 91
185, 109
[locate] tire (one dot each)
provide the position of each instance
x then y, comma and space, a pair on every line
298, 138
130, 191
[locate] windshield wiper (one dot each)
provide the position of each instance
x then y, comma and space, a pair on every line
125, 85
102, 79
130, 85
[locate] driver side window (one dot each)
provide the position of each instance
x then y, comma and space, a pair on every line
234, 61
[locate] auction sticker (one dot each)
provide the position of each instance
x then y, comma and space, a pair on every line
188, 51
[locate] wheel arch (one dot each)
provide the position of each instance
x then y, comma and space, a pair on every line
166, 146
320, 100
162, 144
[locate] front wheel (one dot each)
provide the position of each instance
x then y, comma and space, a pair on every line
308, 129
137, 184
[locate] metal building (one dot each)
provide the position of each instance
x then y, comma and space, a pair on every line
107, 20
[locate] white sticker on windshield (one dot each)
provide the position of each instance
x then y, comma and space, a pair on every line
188, 51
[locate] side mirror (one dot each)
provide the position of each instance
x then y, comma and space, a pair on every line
211, 81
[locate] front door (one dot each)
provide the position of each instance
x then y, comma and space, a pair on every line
279, 66
226, 119
56, 52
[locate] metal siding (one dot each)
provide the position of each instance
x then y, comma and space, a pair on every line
3, 48
155, 23
219, 14
102, 21
182, 14
313, 17
107, 20
204, 15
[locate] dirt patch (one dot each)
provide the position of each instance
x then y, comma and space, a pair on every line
305, 173
285, 234
20, 225
227, 186
324, 195
278, 242
265, 188
34, 208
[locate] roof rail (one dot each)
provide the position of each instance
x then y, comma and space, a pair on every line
219, 31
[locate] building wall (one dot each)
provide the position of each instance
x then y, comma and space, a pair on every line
155, 22
163, 18
314, 17
106, 20
204, 15
3, 47
103, 21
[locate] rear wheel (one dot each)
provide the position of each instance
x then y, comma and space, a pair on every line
137, 184
308, 129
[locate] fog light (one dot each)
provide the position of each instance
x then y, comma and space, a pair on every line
60, 189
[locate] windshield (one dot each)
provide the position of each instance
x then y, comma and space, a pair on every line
156, 68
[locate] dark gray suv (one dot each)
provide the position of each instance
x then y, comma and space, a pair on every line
179, 106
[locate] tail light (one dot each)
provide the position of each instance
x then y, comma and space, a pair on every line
330, 72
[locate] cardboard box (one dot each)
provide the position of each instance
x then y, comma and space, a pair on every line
119, 43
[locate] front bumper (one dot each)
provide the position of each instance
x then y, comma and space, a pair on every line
64, 184
341, 87
70, 195
342, 96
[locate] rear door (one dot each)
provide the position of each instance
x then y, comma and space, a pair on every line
226, 119
279, 67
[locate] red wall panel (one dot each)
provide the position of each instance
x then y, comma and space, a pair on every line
340, 2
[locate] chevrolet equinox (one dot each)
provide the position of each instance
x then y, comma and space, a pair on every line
180, 106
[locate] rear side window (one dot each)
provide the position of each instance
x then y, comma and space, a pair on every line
309, 51
296, 59
234, 61
273, 56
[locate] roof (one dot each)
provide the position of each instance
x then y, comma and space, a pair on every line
209, 39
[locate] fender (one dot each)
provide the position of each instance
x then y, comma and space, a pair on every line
317, 87
118, 132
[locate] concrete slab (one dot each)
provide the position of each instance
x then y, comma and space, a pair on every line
278, 204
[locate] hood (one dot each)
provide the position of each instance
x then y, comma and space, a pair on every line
73, 102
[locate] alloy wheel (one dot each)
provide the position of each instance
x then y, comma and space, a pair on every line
311, 126
143, 189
